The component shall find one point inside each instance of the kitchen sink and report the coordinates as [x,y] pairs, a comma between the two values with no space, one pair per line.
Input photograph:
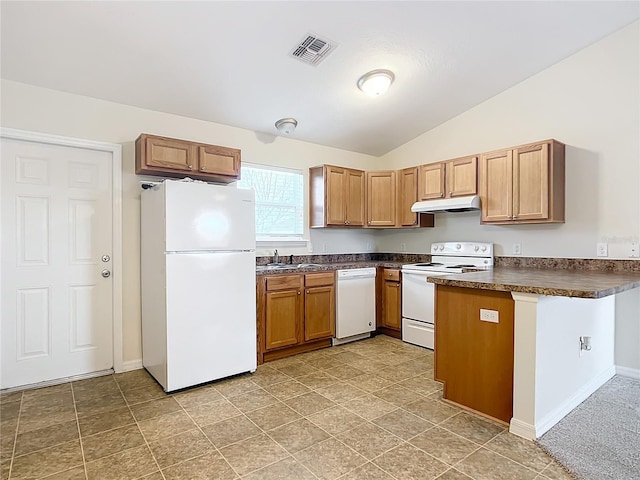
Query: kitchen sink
[285,266]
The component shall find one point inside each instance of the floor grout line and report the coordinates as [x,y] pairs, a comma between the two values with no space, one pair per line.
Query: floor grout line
[75,410]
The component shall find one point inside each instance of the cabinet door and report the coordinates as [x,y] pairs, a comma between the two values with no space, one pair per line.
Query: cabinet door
[462,176]
[381,199]
[431,181]
[496,190]
[391,305]
[319,313]
[283,318]
[355,198]
[167,153]
[219,160]
[408,185]
[336,199]
[531,182]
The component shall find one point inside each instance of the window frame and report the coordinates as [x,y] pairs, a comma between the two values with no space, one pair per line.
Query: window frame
[290,240]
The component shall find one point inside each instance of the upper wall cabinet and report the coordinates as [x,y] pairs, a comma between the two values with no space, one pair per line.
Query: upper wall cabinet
[453,178]
[170,157]
[408,195]
[381,198]
[523,184]
[337,197]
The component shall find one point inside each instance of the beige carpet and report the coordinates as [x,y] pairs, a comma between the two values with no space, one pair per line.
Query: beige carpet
[600,439]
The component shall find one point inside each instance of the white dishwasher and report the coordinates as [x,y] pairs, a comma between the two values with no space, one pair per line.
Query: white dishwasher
[355,304]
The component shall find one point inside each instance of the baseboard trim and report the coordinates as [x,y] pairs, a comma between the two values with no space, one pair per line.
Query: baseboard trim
[628,372]
[130,365]
[522,429]
[576,399]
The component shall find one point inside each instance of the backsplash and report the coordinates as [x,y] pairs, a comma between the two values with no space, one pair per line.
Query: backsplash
[569,263]
[518,262]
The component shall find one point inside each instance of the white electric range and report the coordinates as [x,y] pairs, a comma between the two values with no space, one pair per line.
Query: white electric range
[418,319]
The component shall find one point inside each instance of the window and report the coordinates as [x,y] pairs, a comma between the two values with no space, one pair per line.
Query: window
[279,201]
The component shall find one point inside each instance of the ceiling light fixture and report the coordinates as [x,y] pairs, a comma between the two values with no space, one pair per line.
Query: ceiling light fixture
[286,126]
[376,82]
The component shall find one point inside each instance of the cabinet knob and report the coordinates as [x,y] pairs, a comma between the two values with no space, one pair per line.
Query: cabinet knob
[450,194]
[369,222]
[190,167]
[202,169]
[307,291]
[298,292]
[442,194]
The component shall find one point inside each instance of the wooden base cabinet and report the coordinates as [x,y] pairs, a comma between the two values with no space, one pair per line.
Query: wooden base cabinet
[296,313]
[390,302]
[474,358]
[170,157]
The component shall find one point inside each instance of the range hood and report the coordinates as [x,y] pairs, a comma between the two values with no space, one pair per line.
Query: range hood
[456,204]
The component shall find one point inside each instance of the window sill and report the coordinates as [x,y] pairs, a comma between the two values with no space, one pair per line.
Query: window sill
[281,241]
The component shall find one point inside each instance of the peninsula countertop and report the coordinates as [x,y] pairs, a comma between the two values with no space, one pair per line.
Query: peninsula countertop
[545,281]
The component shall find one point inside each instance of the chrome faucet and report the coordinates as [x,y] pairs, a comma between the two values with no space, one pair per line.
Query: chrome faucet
[276,257]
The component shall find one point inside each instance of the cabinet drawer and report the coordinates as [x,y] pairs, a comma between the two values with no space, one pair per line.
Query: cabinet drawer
[391,274]
[319,279]
[283,282]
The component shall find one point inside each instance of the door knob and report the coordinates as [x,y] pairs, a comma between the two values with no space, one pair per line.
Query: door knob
[106,258]
[105,273]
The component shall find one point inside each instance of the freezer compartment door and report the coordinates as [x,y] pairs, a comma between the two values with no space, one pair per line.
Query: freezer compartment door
[203,217]
[211,317]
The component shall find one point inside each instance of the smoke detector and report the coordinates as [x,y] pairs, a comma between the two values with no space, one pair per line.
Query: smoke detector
[312,49]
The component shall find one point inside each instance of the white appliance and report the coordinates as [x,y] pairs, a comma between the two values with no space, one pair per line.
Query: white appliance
[198,282]
[418,320]
[355,304]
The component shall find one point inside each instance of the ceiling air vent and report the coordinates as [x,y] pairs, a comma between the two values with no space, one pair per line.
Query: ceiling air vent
[312,49]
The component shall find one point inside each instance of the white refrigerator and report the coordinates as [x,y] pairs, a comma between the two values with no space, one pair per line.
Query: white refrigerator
[198,282]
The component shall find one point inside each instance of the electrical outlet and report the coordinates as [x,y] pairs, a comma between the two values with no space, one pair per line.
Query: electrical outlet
[488,315]
[603,251]
[403,247]
[517,249]
[633,250]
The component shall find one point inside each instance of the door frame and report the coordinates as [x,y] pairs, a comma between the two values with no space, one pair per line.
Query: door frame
[116,156]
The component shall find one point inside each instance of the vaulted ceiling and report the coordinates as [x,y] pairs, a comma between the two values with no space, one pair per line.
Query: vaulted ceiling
[229,62]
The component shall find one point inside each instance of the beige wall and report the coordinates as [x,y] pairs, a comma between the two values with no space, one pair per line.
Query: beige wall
[591,102]
[41,110]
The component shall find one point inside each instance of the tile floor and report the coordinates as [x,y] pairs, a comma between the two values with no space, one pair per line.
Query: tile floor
[367,410]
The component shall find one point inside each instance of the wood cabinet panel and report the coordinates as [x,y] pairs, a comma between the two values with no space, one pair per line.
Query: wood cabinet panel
[523,184]
[292,318]
[431,181]
[171,157]
[355,197]
[531,182]
[336,197]
[381,198]
[219,160]
[496,186]
[319,312]
[282,322]
[408,195]
[474,358]
[392,305]
[461,177]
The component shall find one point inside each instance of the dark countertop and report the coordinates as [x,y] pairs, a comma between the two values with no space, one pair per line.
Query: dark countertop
[543,281]
[324,267]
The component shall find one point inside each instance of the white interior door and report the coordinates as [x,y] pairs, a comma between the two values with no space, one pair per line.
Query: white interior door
[56,233]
